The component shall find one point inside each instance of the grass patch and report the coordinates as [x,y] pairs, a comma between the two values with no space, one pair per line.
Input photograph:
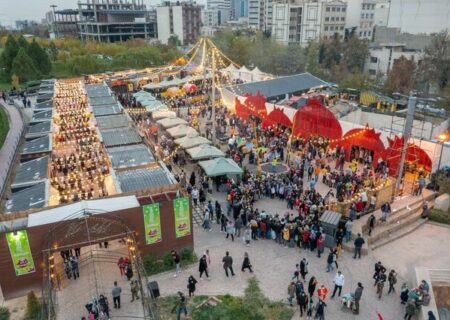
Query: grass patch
[4,126]
[252,306]
[439,216]
[154,265]
[5,86]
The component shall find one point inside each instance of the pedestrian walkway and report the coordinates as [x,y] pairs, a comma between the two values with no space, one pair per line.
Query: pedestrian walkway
[11,143]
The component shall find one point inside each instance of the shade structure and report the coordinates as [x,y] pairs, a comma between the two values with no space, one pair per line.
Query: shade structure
[191,141]
[219,167]
[140,93]
[144,96]
[161,114]
[156,108]
[171,122]
[363,138]
[315,119]
[254,105]
[277,117]
[414,154]
[204,151]
[180,131]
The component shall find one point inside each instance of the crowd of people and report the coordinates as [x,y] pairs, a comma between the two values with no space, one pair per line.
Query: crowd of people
[79,164]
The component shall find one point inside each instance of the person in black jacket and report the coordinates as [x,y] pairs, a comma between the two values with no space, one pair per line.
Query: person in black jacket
[246,263]
[359,242]
[191,285]
[357,295]
[203,266]
[302,301]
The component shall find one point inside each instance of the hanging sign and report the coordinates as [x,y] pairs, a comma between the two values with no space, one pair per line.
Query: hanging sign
[152,223]
[182,217]
[20,252]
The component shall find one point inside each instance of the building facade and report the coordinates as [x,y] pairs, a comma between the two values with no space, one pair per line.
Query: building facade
[333,19]
[182,19]
[62,23]
[222,8]
[260,15]
[239,9]
[111,21]
[360,19]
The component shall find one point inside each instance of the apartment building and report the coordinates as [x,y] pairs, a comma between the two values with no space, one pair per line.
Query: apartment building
[182,19]
[333,19]
[222,9]
[360,19]
[260,14]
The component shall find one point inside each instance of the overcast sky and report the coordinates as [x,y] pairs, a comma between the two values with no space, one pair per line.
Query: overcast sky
[413,15]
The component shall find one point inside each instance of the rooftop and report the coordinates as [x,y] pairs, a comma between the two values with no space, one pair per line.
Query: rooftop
[38,129]
[35,196]
[31,172]
[142,179]
[280,86]
[130,156]
[112,121]
[101,100]
[120,137]
[97,90]
[42,115]
[108,109]
[38,145]
[44,105]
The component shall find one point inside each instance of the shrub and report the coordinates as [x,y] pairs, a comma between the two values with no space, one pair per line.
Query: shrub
[168,260]
[153,265]
[33,307]
[4,313]
[187,255]
[439,216]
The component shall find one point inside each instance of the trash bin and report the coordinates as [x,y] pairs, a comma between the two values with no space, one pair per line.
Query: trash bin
[329,222]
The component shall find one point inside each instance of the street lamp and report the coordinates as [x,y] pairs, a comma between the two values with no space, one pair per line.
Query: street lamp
[442,138]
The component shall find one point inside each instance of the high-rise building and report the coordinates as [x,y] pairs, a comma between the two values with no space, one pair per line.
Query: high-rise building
[260,14]
[62,23]
[361,18]
[113,20]
[239,9]
[333,19]
[181,19]
[223,9]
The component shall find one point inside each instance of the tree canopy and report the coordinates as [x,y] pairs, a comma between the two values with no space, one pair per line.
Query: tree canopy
[23,67]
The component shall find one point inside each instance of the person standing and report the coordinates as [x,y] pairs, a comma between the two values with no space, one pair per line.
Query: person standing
[385,211]
[116,291]
[303,268]
[203,266]
[207,220]
[181,306]
[121,265]
[320,310]
[348,230]
[246,263]
[322,292]
[228,263]
[359,242]
[191,285]
[312,287]
[302,302]
[238,226]
[74,266]
[230,230]
[410,309]
[134,286]
[129,271]
[371,224]
[392,279]
[247,236]
[379,282]
[330,260]
[291,293]
[339,280]
[176,259]
[357,295]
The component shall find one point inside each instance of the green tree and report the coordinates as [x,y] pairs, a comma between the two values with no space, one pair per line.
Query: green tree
[173,41]
[401,76]
[435,66]
[312,58]
[254,297]
[23,67]
[332,52]
[359,81]
[8,55]
[22,42]
[15,83]
[53,50]
[33,307]
[355,53]
[4,313]
[39,57]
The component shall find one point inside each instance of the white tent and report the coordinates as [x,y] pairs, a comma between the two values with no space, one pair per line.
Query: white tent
[161,114]
[245,74]
[180,131]
[204,151]
[192,140]
[171,122]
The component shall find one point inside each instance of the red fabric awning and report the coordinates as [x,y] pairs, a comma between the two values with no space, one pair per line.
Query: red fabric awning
[315,119]
[277,117]
[413,154]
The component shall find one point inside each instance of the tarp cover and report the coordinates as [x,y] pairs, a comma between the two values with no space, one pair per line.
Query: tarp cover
[277,117]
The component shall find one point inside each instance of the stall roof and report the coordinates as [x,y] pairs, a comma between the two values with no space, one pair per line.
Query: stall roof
[44,97]
[330,218]
[35,196]
[39,129]
[97,90]
[38,145]
[108,109]
[112,121]
[98,101]
[120,137]
[76,210]
[44,105]
[31,172]
[280,86]
[42,115]
[130,156]
[141,179]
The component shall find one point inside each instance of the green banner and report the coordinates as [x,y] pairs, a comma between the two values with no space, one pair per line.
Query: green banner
[182,217]
[20,252]
[152,223]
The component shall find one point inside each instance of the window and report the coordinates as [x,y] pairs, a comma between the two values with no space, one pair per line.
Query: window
[363,6]
[373,59]
[328,9]
[362,15]
[372,72]
[371,16]
[327,19]
[333,9]
[332,18]
[338,9]
[343,9]
[369,33]
[342,18]
[360,34]
[332,28]
[341,28]
[367,16]
[365,33]
[325,28]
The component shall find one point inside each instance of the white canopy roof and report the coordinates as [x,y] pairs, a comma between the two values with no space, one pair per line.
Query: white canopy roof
[161,114]
[257,71]
[243,69]
[230,68]
[204,151]
[171,122]
[181,131]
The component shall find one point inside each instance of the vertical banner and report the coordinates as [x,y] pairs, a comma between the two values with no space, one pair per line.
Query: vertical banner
[20,252]
[152,223]
[182,217]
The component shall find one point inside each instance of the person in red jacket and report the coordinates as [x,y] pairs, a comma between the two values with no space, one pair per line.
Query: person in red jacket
[322,292]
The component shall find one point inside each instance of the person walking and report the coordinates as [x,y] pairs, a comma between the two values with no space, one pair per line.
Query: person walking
[191,285]
[228,263]
[348,230]
[291,293]
[371,224]
[303,268]
[357,295]
[134,286]
[247,236]
[330,260]
[246,263]
[181,305]
[302,302]
[116,291]
[230,230]
[104,306]
[129,271]
[176,259]
[121,265]
[359,242]
[379,282]
[339,280]
[392,279]
[203,266]
[238,226]
[385,211]
[310,309]
[378,269]
[74,267]
[312,287]
[207,220]
[320,310]
[410,309]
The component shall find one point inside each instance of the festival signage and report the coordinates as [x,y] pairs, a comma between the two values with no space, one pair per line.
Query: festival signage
[152,223]
[182,217]
[20,252]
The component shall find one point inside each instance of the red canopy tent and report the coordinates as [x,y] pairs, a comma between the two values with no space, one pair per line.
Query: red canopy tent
[315,119]
[364,138]
[413,154]
[254,105]
[277,117]
[241,109]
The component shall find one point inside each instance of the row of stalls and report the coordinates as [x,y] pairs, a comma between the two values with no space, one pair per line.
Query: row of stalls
[244,74]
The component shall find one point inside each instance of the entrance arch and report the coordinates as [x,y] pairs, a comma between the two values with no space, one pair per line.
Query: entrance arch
[86,229]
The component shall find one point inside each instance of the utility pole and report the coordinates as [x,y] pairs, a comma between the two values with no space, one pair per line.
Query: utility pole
[213,95]
[406,136]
